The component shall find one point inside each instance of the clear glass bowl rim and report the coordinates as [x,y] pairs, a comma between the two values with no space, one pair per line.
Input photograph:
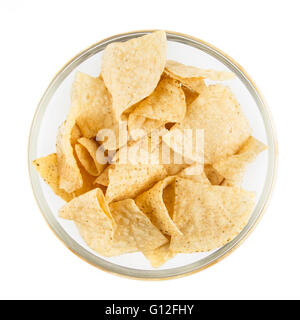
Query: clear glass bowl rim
[177,271]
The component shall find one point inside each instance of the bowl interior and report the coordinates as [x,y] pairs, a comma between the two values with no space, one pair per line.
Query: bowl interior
[53,109]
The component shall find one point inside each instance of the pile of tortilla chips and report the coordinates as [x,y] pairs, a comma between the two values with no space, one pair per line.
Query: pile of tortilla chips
[158,208]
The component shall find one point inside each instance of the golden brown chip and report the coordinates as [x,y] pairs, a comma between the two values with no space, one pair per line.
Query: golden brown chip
[190,95]
[91,109]
[224,126]
[132,69]
[70,178]
[86,150]
[103,179]
[196,84]
[196,173]
[146,235]
[252,147]
[87,182]
[172,161]
[47,168]
[128,181]
[213,175]
[152,203]
[143,151]
[233,168]
[133,232]
[139,126]
[122,241]
[159,256]
[75,135]
[108,233]
[91,211]
[166,103]
[93,105]
[208,216]
[169,198]
[181,71]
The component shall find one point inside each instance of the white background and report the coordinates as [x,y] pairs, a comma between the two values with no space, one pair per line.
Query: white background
[39,37]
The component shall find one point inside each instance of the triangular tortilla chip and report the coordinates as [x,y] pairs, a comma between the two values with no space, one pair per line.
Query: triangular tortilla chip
[103,179]
[132,69]
[91,211]
[213,175]
[190,95]
[208,216]
[196,173]
[86,150]
[139,126]
[133,232]
[146,235]
[121,243]
[183,72]
[252,147]
[152,203]
[128,181]
[233,168]
[166,103]
[47,168]
[224,126]
[93,104]
[160,255]
[75,135]
[144,151]
[70,178]
[172,161]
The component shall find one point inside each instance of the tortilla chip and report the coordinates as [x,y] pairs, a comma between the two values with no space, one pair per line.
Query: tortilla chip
[139,126]
[132,69]
[47,168]
[133,232]
[196,84]
[190,95]
[172,161]
[103,179]
[144,151]
[128,181]
[213,175]
[159,256]
[252,147]
[166,103]
[141,146]
[70,178]
[218,114]
[86,150]
[168,196]
[91,110]
[233,168]
[91,211]
[93,104]
[75,135]
[208,216]
[152,203]
[121,243]
[147,236]
[182,72]
[196,173]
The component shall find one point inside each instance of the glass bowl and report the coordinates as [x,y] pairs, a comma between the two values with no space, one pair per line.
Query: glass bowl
[53,109]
